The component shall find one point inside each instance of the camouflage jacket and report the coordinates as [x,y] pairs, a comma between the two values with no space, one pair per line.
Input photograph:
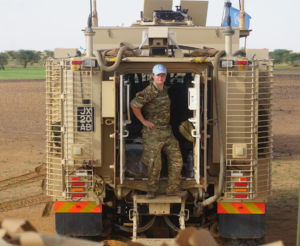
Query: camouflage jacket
[156,104]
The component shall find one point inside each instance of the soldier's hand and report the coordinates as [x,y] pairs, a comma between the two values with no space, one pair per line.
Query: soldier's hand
[148,124]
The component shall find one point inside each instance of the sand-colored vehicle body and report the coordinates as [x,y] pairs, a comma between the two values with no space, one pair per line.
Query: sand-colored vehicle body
[93,139]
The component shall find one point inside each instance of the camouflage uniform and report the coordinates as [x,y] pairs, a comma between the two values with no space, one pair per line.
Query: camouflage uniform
[156,105]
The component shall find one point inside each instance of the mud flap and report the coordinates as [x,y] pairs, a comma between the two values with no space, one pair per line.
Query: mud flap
[242,225]
[78,224]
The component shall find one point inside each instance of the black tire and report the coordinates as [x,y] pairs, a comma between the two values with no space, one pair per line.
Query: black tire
[247,242]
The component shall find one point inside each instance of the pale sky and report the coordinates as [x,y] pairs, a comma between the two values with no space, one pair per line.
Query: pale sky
[49,24]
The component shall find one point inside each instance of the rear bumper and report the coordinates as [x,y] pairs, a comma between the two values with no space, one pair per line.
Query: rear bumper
[241,220]
[242,225]
[78,218]
[76,224]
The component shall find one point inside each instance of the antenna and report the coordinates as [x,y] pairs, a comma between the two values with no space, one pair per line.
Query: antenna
[228,31]
[228,6]
[94,14]
[242,15]
[91,8]
[89,23]
[89,33]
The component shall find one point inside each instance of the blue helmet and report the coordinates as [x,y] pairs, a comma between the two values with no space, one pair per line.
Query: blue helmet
[158,68]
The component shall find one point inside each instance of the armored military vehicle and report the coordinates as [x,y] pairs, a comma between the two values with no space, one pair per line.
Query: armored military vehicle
[221,114]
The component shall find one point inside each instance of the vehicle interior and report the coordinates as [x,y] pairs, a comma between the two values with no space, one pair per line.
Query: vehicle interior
[178,90]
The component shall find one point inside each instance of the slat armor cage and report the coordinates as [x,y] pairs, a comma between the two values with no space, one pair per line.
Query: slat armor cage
[54,171]
[249,122]
[70,124]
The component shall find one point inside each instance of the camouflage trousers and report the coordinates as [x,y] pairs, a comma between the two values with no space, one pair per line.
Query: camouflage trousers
[155,141]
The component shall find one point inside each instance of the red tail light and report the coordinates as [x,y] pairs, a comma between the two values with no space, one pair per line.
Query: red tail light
[241,62]
[76,62]
[75,178]
[240,196]
[243,179]
[240,184]
[77,183]
[77,195]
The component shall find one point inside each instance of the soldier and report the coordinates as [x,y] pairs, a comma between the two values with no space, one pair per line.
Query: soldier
[157,134]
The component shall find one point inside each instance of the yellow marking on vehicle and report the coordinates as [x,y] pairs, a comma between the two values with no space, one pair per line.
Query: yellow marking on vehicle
[253,208]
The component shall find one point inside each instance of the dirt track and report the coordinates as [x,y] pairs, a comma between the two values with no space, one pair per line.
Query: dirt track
[23,179]
[24,202]
[22,149]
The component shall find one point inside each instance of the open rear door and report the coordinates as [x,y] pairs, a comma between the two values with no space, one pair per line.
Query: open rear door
[194,104]
[124,120]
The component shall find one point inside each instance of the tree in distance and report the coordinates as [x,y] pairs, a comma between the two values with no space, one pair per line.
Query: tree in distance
[11,54]
[292,59]
[3,60]
[25,56]
[37,56]
[287,56]
[48,53]
[277,55]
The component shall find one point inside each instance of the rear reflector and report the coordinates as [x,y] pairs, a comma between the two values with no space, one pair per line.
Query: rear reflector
[243,179]
[236,174]
[77,189]
[89,63]
[75,178]
[240,190]
[76,62]
[240,196]
[240,184]
[226,63]
[81,174]
[77,183]
[241,62]
[77,195]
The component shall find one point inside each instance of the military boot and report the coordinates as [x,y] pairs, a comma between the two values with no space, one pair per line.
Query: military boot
[179,193]
[150,195]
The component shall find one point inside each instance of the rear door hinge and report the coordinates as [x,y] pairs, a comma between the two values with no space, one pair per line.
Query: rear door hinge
[63,129]
[255,97]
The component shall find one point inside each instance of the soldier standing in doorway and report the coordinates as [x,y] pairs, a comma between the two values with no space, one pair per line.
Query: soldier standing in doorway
[157,134]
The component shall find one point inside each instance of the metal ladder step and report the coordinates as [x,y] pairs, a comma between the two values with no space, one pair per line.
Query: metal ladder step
[155,241]
[160,205]
[157,199]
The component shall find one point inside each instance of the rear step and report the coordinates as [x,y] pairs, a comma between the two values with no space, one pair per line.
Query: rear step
[154,241]
[160,205]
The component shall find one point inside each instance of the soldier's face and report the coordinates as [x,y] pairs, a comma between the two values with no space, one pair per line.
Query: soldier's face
[160,78]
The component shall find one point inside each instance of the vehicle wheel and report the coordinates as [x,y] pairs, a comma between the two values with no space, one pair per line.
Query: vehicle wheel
[236,242]
[107,228]
[247,242]
[214,230]
[261,241]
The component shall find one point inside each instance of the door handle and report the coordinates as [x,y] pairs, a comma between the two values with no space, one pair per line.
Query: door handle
[126,135]
[194,134]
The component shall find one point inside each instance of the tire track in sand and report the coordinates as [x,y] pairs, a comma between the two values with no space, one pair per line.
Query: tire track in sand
[38,174]
[24,202]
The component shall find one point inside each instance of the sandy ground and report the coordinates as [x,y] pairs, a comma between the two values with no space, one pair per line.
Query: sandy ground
[282,208]
[22,148]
